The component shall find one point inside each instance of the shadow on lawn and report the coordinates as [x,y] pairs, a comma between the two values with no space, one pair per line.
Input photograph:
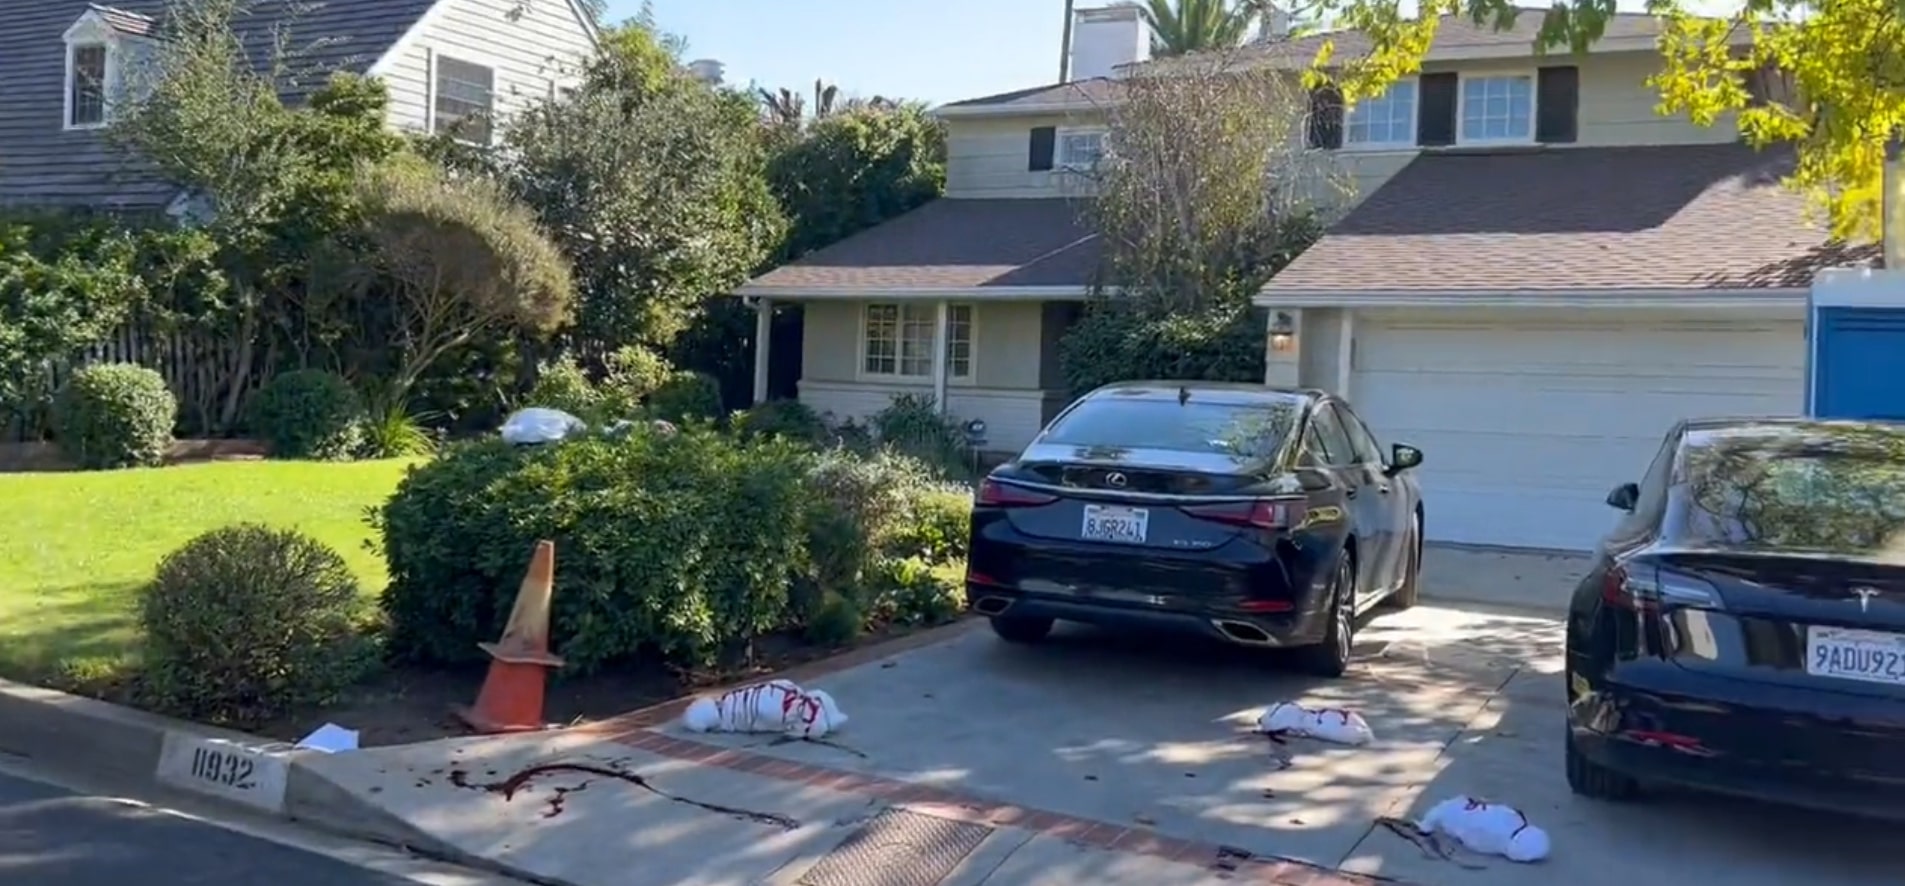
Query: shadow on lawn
[78,638]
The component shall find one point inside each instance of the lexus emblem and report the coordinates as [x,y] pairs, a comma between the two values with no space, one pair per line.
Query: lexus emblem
[1865,597]
[1115,480]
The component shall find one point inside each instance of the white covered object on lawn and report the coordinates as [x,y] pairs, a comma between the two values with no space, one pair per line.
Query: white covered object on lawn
[1528,417]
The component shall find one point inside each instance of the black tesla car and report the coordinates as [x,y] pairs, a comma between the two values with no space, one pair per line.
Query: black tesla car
[1260,516]
[1743,628]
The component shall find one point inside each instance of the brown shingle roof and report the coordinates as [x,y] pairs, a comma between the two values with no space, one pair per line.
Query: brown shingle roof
[1667,217]
[951,243]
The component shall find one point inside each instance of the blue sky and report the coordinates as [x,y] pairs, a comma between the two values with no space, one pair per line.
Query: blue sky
[931,50]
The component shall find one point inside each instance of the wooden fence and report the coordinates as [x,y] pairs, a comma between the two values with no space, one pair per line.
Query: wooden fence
[187,361]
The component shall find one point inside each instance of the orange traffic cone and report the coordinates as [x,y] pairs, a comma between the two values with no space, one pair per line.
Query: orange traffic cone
[512,694]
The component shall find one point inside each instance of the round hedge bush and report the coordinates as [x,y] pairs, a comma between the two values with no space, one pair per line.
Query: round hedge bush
[686,396]
[246,622]
[114,415]
[309,413]
[681,545]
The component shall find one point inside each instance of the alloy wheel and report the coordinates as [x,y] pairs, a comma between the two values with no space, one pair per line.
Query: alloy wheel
[1345,608]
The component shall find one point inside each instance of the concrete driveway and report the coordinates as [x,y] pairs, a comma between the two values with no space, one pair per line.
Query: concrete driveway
[1154,733]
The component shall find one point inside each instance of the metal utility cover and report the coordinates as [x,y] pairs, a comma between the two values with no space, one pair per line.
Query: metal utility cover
[897,848]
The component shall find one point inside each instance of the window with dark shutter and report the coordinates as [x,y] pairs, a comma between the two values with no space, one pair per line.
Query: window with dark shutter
[1558,105]
[1435,123]
[1326,118]
[1044,144]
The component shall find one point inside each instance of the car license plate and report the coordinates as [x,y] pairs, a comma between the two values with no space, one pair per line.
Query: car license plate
[1111,523]
[1869,656]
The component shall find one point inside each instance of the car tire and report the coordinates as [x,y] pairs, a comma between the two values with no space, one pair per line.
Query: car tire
[1013,629]
[1330,658]
[1408,594]
[1589,779]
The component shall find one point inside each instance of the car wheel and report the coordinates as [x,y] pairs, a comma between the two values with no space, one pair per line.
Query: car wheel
[1406,595]
[1021,630]
[1589,779]
[1330,658]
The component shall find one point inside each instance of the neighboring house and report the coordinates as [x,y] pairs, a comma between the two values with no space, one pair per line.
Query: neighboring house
[445,62]
[1541,275]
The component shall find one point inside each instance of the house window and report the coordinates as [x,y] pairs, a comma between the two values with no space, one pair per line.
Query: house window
[86,85]
[464,100]
[1388,119]
[1496,109]
[899,340]
[1080,148]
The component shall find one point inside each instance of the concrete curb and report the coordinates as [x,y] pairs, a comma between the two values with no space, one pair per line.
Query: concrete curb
[143,751]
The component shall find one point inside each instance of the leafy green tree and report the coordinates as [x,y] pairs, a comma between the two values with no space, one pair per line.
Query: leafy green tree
[1183,26]
[266,181]
[653,185]
[1844,61]
[854,169]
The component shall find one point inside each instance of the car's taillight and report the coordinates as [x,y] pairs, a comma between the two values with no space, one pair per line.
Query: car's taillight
[1263,513]
[1643,587]
[1006,495]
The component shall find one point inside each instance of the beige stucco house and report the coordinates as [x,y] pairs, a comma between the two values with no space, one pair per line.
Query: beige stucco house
[1534,277]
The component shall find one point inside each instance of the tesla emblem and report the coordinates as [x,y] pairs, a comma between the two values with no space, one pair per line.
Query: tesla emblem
[1115,479]
[1865,597]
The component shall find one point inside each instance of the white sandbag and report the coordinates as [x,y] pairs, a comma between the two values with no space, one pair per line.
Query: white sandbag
[1488,828]
[1336,725]
[775,706]
[539,425]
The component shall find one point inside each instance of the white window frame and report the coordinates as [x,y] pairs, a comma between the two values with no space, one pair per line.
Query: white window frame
[1534,106]
[430,95]
[1408,139]
[930,310]
[1061,158]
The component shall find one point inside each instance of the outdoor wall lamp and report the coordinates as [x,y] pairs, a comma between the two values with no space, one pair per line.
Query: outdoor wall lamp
[1282,331]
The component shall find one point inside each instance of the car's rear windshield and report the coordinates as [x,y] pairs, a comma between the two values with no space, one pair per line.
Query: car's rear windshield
[1254,430]
[1835,492]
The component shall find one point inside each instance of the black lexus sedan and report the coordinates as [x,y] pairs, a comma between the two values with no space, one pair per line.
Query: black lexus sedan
[1743,627]
[1260,516]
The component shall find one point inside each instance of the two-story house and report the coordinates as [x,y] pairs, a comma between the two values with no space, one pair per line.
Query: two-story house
[1535,277]
[447,63]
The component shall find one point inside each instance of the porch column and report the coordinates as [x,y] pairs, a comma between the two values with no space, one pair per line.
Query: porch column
[763,343]
[942,333]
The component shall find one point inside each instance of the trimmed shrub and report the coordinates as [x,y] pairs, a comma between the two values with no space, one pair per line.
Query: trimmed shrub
[634,372]
[912,591]
[681,545]
[1119,341]
[309,413]
[686,396]
[936,527]
[912,425]
[561,384]
[246,622]
[781,418]
[114,415]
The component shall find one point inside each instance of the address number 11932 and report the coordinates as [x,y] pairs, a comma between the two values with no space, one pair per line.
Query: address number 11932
[224,769]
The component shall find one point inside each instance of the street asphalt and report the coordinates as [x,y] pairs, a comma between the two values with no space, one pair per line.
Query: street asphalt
[55,837]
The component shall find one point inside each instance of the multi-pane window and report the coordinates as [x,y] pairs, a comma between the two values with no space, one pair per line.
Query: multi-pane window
[1081,149]
[465,99]
[1498,109]
[899,340]
[86,101]
[1388,119]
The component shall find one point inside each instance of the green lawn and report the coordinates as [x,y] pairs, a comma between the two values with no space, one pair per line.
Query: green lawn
[75,547]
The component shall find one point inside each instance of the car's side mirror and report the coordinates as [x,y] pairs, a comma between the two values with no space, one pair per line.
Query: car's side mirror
[1624,497]
[1403,457]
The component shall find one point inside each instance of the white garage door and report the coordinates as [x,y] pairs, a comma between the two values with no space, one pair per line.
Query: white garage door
[1526,424]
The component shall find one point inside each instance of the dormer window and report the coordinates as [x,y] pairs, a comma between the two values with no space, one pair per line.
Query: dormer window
[87,69]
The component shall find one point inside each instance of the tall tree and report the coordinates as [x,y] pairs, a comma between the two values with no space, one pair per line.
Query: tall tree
[1181,26]
[1844,61]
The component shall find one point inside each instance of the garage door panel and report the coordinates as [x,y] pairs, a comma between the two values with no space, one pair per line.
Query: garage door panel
[1526,425]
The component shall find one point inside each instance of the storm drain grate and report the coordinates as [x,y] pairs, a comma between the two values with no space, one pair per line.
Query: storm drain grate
[897,848]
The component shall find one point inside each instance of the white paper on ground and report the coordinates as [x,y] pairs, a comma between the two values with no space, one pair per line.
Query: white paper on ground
[330,738]
[1336,725]
[1488,828]
[775,706]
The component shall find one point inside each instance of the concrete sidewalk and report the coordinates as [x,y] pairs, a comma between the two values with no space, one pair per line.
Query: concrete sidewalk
[696,814]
